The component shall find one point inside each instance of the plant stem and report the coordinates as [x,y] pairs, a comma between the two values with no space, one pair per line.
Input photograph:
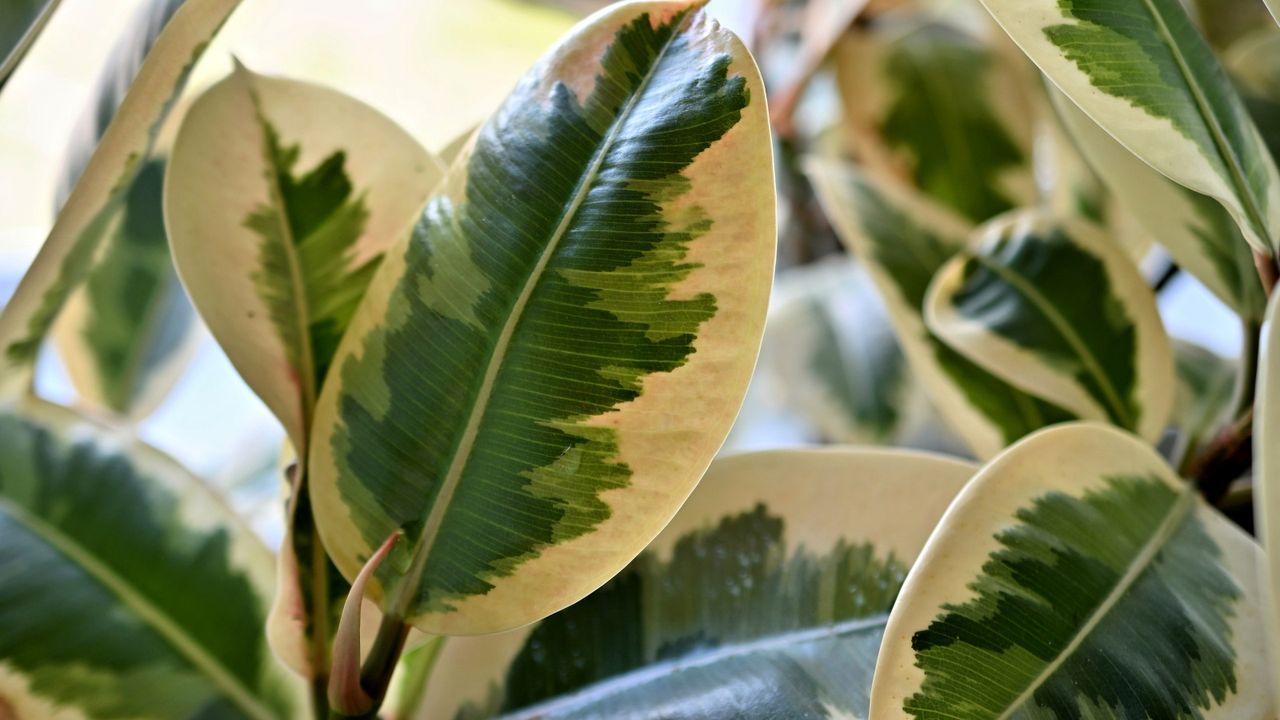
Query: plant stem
[1228,457]
[375,675]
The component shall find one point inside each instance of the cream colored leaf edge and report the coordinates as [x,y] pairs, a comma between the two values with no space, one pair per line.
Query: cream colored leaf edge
[1267,478]
[889,498]
[734,262]
[1072,459]
[197,506]
[831,180]
[217,177]
[1024,368]
[1155,140]
[125,144]
[1158,204]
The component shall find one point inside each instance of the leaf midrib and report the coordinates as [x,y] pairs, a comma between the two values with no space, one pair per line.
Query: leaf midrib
[635,678]
[151,615]
[1205,109]
[1064,328]
[1178,513]
[297,283]
[409,583]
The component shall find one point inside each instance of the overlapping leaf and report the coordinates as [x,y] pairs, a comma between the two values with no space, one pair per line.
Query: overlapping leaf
[127,334]
[172,37]
[278,222]
[1141,70]
[765,597]
[940,110]
[126,589]
[1058,310]
[903,240]
[1076,576]
[281,199]
[1197,231]
[831,354]
[537,379]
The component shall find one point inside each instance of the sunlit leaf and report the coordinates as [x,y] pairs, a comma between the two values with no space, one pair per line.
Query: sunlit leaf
[903,240]
[538,377]
[1058,310]
[1077,576]
[765,597]
[1141,70]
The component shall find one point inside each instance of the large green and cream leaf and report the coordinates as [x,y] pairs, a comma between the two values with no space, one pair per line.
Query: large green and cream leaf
[1141,70]
[1057,309]
[127,590]
[281,199]
[903,240]
[171,37]
[968,150]
[1197,231]
[127,334]
[539,376]
[765,597]
[1077,576]
[1267,476]
[21,22]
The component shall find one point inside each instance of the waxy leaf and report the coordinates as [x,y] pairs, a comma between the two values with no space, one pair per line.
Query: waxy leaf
[21,22]
[177,33]
[538,378]
[1057,309]
[281,199]
[127,590]
[942,111]
[903,240]
[765,597]
[1267,475]
[278,222]
[127,334]
[1197,231]
[1142,71]
[1077,576]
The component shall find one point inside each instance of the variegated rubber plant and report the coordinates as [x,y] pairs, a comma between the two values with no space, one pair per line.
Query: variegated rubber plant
[504,372]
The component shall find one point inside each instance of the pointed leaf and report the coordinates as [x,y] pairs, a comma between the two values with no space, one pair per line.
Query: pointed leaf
[176,36]
[278,223]
[1141,70]
[538,378]
[764,597]
[1197,231]
[127,334]
[129,591]
[970,149]
[1078,576]
[21,22]
[1058,310]
[904,240]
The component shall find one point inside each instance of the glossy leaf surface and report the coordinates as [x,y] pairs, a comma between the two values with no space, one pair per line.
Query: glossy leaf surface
[765,597]
[539,376]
